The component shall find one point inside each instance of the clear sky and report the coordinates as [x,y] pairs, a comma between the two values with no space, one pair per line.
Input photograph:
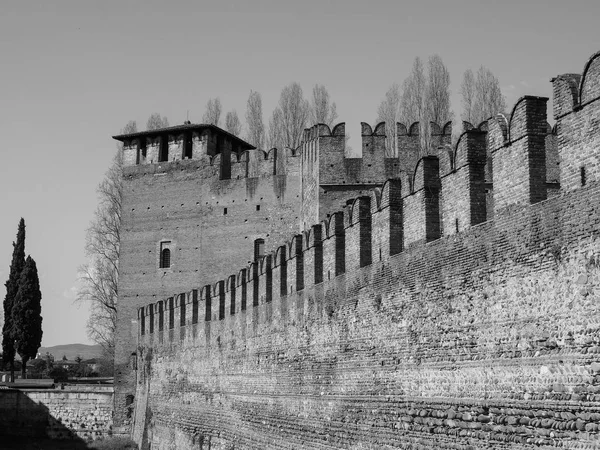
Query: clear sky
[74,72]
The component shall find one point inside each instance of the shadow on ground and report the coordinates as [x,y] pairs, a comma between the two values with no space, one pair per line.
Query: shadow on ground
[39,443]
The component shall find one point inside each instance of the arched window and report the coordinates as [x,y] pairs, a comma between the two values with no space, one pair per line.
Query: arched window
[259,249]
[165,258]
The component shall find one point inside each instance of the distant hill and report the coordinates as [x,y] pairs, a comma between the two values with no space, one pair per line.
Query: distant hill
[72,351]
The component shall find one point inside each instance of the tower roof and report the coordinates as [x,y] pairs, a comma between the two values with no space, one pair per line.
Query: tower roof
[198,127]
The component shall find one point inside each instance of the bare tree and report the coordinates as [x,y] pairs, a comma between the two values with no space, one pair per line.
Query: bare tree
[412,103]
[437,98]
[232,123]
[481,96]
[155,122]
[467,93]
[276,136]
[294,114]
[254,119]
[426,98]
[322,110]
[388,112]
[212,114]
[98,277]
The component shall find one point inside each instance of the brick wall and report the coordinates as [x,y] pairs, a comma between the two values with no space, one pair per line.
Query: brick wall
[419,336]
[577,114]
[483,339]
[210,224]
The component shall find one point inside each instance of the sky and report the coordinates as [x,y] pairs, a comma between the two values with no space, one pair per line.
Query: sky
[73,73]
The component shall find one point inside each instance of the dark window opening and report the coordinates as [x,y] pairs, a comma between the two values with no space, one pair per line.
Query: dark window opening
[255,285]
[269,294]
[224,211]
[182,310]
[583,176]
[142,322]
[259,249]
[258,207]
[187,146]
[283,276]
[456,224]
[151,319]
[195,306]
[225,169]
[171,314]
[165,255]
[221,300]
[208,304]
[244,291]
[161,317]
[165,258]
[163,154]
[299,265]
[232,291]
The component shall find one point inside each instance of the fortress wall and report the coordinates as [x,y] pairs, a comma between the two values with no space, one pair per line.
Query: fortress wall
[184,202]
[440,346]
[481,337]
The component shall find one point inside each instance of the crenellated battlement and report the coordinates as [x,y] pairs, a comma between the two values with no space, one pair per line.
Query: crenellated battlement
[438,301]
[198,142]
[446,194]
[577,114]
[330,177]
[248,164]
[325,145]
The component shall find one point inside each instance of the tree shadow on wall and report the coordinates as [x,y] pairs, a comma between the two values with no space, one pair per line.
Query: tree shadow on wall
[28,425]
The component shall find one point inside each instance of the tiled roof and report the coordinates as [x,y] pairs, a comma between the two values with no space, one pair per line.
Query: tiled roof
[185,127]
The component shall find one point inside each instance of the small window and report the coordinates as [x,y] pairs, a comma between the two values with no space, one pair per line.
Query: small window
[224,211]
[582,174]
[258,207]
[259,249]
[165,258]
[165,255]
[163,153]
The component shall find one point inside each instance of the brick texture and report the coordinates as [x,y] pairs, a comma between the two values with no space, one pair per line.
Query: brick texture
[452,307]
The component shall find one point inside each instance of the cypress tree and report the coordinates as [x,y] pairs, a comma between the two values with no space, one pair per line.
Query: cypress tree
[26,314]
[12,286]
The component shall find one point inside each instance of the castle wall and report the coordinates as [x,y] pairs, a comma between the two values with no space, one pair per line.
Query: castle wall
[439,346]
[419,336]
[209,224]
[330,179]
